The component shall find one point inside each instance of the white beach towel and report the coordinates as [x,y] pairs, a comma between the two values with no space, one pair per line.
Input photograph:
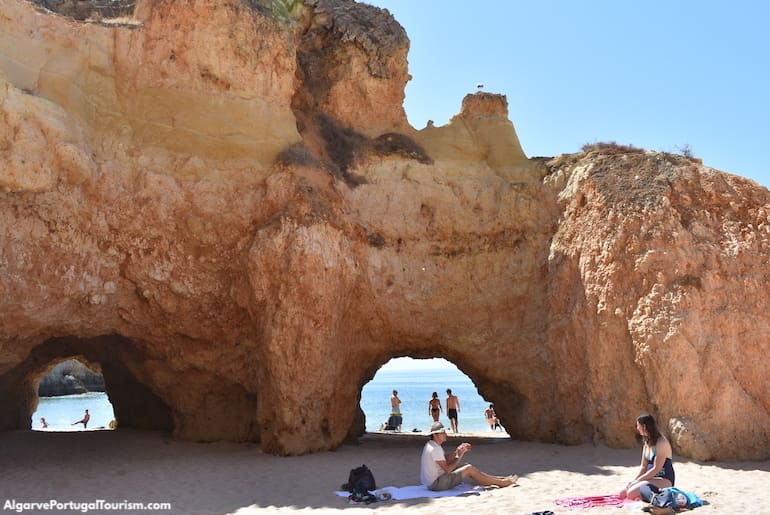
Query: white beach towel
[417,491]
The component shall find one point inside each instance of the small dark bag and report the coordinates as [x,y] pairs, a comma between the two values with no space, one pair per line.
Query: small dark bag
[360,480]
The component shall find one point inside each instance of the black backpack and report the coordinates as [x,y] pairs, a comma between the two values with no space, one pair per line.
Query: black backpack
[360,480]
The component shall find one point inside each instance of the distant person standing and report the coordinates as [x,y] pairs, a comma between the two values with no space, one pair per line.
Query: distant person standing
[452,408]
[43,423]
[395,404]
[434,407]
[492,420]
[395,420]
[84,420]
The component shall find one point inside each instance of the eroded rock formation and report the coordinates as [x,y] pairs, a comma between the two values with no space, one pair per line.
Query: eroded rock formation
[229,215]
[70,377]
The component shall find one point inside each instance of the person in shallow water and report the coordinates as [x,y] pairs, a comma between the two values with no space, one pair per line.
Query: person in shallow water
[395,403]
[434,407]
[452,408]
[492,420]
[84,420]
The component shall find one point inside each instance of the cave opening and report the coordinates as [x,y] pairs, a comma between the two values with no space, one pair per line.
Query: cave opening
[416,380]
[72,397]
[128,386]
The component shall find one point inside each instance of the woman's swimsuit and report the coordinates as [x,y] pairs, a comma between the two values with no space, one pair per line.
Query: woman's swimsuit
[667,472]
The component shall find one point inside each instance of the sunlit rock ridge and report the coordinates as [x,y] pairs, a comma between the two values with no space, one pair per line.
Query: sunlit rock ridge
[224,210]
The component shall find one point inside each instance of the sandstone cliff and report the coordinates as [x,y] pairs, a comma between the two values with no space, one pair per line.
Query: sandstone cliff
[228,214]
[70,377]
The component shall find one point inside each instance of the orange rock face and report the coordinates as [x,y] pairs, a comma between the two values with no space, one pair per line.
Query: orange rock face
[227,213]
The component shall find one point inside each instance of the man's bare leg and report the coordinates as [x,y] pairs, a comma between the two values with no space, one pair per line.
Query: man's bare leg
[484,479]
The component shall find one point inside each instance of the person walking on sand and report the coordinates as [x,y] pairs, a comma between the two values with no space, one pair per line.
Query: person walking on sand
[452,408]
[440,471]
[434,407]
[83,420]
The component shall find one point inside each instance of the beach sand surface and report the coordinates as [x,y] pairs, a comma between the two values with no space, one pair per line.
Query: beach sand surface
[213,478]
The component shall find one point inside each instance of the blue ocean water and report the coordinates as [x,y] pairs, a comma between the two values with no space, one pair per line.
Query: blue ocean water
[415,381]
[61,412]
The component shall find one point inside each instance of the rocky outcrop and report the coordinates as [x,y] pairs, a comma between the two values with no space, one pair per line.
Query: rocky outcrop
[92,10]
[228,214]
[70,377]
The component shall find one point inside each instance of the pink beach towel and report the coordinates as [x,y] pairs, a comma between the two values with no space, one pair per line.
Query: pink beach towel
[591,501]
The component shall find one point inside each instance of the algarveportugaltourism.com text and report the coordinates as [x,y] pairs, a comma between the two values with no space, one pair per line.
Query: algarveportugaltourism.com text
[82,506]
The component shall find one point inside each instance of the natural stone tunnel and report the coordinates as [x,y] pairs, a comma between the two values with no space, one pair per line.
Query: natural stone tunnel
[505,397]
[134,403]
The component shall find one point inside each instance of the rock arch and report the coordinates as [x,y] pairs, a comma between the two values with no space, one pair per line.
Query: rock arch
[505,395]
[143,193]
[134,403]
[515,401]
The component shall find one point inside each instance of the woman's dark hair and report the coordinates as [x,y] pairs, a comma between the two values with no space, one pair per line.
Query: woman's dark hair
[435,394]
[652,436]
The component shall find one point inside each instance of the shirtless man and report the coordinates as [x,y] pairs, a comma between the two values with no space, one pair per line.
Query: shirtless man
[452,407]
[83,420]
[395,404]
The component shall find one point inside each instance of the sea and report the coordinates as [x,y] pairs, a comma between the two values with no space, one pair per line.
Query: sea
[415,380]
[61,412]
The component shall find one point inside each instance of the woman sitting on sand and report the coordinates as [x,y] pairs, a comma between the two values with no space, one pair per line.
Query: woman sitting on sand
[656,470]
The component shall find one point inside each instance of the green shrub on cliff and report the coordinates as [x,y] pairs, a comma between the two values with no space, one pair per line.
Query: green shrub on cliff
[286,10]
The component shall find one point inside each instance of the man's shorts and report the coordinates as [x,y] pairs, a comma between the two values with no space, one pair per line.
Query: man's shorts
[451,414]
[446,481]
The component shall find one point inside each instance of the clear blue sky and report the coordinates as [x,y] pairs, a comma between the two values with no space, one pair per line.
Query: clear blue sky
[658,75]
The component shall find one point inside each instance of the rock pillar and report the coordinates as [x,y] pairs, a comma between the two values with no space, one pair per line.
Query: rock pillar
[302,277]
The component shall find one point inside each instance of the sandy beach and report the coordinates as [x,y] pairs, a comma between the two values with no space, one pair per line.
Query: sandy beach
[215,478]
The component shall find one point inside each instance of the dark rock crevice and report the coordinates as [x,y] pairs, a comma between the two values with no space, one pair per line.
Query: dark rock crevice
[83,10]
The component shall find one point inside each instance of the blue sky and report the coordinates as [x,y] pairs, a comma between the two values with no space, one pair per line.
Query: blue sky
[659,75]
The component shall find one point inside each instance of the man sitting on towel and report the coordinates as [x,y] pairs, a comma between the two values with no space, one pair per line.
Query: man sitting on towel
[439,471]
